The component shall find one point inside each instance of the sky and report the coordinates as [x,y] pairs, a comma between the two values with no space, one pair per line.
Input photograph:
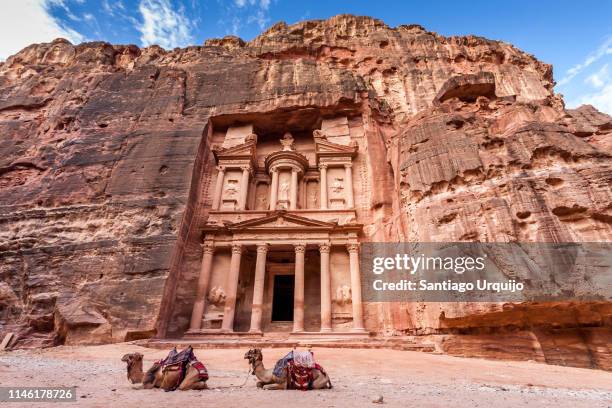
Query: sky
[574,36]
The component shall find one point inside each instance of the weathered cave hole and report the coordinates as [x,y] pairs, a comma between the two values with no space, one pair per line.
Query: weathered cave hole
[163,169]
[554,181]
[602,217]
[447,218]
[468,88]
[384,44]
[456,122]
[102,124]
[563,211]
[523,214]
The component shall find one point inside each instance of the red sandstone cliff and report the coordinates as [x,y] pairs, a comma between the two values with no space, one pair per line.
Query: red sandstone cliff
[102,166]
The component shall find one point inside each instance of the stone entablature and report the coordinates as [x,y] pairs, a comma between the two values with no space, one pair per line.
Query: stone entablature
[341,217]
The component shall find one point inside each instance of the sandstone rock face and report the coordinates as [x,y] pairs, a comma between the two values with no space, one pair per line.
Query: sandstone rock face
[105,173]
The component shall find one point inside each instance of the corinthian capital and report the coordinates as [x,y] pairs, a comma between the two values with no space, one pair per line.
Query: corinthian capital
[208,247]
[352,247]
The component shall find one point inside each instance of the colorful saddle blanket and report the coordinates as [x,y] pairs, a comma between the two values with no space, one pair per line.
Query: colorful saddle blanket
[282,364]
[300,366]
[300,377]
[181,361]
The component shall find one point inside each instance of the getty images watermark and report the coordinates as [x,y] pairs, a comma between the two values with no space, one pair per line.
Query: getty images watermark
[487,272]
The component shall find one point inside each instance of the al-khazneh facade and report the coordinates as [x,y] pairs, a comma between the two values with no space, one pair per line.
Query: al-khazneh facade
[281,243]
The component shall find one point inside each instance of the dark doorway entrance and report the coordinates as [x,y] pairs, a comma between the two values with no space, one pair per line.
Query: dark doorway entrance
[282,300]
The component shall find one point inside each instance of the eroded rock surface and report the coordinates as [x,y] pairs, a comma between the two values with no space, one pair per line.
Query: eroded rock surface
[104,169]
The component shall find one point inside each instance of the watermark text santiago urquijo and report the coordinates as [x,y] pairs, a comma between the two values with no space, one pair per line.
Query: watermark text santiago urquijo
[464,271]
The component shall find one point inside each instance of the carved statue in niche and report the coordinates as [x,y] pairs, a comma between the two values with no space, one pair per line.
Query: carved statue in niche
[231,189]
[283,191]
[313,199]
[287,142]
[343,295]
[216,296]
[262,201]
[337,187]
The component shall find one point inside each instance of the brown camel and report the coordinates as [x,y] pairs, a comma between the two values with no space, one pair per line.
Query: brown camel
[160,377]
[269,381]
[134,367]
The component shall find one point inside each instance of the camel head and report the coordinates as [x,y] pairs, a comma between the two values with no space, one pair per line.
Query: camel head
[134,367]
[253,355]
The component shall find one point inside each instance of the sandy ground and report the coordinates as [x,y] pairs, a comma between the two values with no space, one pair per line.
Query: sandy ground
[403,378]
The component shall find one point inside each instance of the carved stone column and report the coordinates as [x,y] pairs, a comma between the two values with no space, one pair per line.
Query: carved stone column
[326,321]
[218,188]
[323,184]
[348,176]
[353,250]
[298,295]
[200,303]
[232,289]
[258,288]
[274,189]
[244,188]
[294,189]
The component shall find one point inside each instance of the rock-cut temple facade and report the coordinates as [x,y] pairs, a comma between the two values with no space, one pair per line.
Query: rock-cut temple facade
[280,244]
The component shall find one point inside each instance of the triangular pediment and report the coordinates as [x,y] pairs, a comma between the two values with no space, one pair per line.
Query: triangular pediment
[325,147]
[241,151]
[281,221]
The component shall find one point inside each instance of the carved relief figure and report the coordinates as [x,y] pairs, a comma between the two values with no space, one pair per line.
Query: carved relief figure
[337,187]
[287,142]
[313,200]
[343,295]
[216,296]
[231,189]
[283,191]
[318,134]
[262,202]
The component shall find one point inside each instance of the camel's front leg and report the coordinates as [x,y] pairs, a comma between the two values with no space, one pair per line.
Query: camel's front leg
[274,386]
[321,382]
[192,382]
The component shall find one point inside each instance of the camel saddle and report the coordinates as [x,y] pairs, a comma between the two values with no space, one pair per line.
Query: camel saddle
[176,361]
[300,367]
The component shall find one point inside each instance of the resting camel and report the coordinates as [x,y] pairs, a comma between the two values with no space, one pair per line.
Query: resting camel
[134,367]
[268,381]
[156,377]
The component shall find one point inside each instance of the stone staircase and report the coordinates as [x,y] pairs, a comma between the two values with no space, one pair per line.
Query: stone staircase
[285,340]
